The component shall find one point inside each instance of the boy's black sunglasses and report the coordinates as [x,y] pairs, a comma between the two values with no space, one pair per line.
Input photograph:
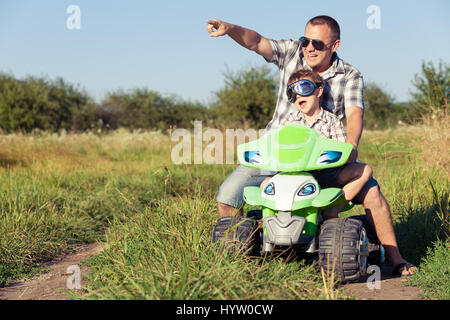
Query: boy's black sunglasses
[302,88]
[317,44]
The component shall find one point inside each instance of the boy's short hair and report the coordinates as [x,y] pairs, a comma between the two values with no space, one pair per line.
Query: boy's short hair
[305,73]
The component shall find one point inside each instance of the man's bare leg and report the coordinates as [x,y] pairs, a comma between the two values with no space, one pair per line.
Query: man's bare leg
[228,211]
[379,215]
[354,176]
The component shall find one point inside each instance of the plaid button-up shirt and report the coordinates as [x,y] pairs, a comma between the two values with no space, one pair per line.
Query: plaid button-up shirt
[326,124]
[343,85]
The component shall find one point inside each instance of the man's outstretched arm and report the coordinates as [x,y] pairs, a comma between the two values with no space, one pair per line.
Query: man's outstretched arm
[245,37]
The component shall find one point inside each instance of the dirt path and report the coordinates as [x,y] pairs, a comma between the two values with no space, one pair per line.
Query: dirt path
[390,288]
[53,284]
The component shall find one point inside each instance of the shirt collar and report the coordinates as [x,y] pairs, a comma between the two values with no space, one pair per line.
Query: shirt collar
[337,66]
[320,117]
[298,116]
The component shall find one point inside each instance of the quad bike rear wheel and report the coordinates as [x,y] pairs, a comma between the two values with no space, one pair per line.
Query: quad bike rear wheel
[343,247]
[376,250]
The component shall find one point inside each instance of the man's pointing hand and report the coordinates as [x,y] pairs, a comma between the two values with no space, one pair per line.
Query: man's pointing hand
[217,28]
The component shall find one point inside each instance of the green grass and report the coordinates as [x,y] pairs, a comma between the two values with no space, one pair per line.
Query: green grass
[165,253]
[434,273]
[57,192]
[155,218]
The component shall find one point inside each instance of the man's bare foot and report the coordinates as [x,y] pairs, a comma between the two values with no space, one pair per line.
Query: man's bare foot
[404,269]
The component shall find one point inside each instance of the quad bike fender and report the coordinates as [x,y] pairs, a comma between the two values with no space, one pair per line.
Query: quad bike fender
[252,196]
[329,197]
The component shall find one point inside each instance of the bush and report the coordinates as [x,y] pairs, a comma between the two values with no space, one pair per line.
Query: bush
[381,112]
[39,103]
[147,109]
[248,98]
[434,273]
[54,105]
[432,87]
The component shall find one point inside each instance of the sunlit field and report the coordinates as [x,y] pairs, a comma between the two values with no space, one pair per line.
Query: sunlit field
[154,218]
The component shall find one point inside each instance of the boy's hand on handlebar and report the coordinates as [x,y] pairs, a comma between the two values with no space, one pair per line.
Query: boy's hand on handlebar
[217,28]
[264,183]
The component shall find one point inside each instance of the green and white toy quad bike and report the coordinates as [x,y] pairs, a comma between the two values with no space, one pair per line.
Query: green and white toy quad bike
[292,202]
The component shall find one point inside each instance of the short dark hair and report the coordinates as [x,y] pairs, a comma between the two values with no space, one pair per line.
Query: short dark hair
[305,73]
[330,22]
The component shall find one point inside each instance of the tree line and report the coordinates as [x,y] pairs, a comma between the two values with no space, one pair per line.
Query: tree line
[247,99]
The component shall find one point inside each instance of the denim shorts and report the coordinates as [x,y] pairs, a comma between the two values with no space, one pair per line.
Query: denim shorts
[231,191]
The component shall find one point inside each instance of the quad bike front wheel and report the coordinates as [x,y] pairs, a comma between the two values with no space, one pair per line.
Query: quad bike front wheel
[343,247]
[237,234]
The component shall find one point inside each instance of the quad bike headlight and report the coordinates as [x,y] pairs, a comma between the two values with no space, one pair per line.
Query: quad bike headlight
[270,189]
[307,190]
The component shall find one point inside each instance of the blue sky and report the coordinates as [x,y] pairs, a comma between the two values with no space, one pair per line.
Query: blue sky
[164,45]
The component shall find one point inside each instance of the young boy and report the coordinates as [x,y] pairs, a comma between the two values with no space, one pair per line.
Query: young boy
[304,90]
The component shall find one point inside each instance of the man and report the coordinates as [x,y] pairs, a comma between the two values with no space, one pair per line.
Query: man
[343,96]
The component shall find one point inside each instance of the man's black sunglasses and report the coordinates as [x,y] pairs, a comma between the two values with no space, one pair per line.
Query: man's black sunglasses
[317,44]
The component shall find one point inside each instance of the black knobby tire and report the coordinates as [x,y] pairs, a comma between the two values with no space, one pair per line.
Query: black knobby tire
[257,239]
[376,257]
[236,233]
[340,242]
